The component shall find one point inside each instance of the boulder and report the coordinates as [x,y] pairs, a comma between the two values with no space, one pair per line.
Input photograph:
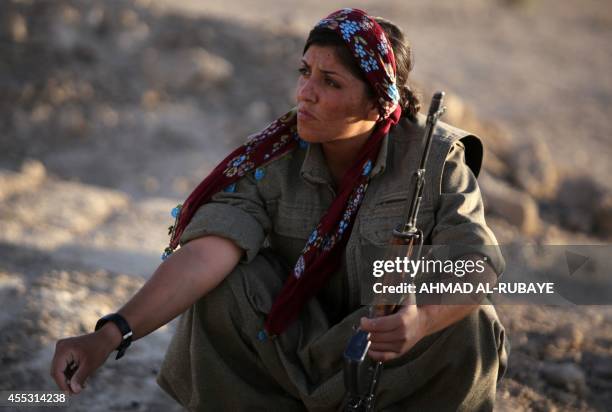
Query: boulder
[569,336]
[565,375]
[496,138]
[603,216]
[33,173]
[533,169]
[72,121]
[516,207]
[494,165]
[18,28]
[587,212]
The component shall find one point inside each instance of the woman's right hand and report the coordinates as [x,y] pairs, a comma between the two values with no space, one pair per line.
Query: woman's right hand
[78,357]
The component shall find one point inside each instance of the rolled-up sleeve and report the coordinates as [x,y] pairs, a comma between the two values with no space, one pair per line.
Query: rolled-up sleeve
[460,220]
[240,216]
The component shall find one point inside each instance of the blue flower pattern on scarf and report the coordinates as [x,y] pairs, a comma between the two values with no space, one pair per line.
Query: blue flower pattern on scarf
[360,51]
[313,237]
[367,168]
[369,64]
[238,160]
[348,28]
[383,46]
[393,92]
[299,267]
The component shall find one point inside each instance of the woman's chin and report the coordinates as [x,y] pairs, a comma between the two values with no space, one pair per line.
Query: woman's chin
[306,134]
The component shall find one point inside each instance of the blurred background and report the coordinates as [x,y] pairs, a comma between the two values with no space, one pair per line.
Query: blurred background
[111,111]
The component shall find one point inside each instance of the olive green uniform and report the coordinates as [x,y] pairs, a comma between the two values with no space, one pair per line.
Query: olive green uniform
[217,362]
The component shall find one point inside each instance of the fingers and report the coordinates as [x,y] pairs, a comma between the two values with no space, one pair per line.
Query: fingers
[400,346]
[388,337]
[403,318]
[392,336]
[382,356]
[381,324]
[69,368]
[77,382]
[401,333]
[58,365]
[60,379]
[394,347]
[385,351]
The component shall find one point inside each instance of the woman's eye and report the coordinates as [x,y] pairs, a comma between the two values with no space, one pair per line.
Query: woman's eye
[331,83]
[303,71]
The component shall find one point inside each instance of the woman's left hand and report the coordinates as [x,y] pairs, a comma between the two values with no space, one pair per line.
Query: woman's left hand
[394,335]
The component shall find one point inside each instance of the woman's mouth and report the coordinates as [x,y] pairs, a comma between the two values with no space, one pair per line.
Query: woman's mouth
[304,114]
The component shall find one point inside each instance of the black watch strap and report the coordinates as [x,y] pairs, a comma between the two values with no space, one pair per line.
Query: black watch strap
[124,328]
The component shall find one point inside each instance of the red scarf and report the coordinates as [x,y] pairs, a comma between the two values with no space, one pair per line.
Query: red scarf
[322,253]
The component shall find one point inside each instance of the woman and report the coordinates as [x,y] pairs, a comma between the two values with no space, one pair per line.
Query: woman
[273,246]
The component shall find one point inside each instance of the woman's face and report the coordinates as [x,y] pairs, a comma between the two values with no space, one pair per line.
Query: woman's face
[332,102]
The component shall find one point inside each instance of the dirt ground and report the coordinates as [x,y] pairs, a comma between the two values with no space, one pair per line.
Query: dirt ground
[110,111]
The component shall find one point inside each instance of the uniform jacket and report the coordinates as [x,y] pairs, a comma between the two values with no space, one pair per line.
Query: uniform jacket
[280,209]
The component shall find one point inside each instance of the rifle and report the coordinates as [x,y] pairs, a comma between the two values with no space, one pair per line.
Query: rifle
[361,379]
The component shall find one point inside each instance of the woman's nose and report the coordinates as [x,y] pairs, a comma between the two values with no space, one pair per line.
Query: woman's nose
[306,91]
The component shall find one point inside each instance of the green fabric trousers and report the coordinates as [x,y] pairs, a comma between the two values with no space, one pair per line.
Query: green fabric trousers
[215,361]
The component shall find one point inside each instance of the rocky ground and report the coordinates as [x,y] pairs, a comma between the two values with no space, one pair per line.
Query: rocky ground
[111,111]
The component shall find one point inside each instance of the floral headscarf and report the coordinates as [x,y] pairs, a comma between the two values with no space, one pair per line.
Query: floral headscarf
[367,41]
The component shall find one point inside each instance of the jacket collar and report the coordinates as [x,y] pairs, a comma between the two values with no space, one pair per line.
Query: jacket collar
[314,168]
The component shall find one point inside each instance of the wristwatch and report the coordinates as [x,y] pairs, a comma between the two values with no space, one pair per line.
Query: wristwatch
[124,328]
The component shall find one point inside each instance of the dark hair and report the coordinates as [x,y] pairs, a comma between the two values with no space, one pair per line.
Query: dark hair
[404,62]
